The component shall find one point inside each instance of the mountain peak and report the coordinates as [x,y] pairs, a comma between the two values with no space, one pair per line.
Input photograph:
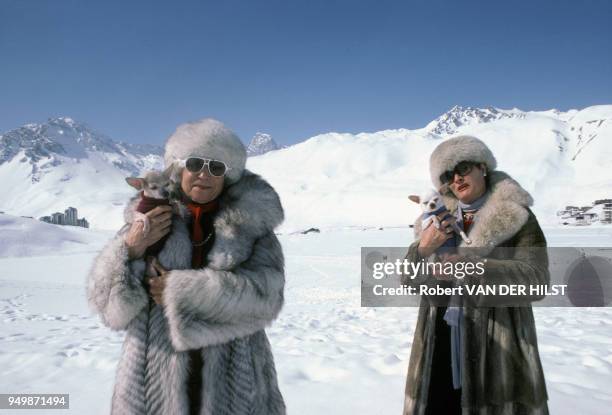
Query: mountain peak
[62,120]
[261,143]
[50,144]
[458,116]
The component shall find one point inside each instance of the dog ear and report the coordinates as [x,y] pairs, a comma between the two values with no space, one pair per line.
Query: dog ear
[416,199]
[136,182]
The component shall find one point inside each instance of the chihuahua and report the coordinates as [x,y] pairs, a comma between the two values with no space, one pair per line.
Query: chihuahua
[432,205]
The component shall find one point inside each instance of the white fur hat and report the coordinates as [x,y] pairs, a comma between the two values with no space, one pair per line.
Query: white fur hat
[451,152]
[207,138]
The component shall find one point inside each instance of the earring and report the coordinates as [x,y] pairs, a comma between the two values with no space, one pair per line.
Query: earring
[485,173]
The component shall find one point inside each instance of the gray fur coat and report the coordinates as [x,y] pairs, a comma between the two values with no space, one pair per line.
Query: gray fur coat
[222,309]
[502,370]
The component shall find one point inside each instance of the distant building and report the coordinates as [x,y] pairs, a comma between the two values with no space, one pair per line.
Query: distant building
[606,216]
[602,201]
[57,218]
[601,212]
[82,223]
[585,218]
[69,217]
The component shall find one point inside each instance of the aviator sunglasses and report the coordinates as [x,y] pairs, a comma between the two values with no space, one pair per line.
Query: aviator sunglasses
[462,169]
[216,168]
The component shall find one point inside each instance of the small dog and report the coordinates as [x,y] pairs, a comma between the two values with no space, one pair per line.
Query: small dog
[156,189]
[432,205]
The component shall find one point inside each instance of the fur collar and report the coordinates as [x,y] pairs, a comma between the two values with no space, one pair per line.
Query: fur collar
[248,210]
[504,213]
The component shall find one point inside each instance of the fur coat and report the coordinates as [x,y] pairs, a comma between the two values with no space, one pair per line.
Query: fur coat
[502,372]
[221,309]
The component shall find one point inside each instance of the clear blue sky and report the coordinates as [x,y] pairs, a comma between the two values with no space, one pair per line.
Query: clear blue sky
[136,69]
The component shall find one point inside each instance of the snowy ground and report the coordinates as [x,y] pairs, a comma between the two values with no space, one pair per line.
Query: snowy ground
[331,354]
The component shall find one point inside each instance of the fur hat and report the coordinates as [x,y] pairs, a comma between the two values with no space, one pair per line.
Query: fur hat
[451,152]
[207,138]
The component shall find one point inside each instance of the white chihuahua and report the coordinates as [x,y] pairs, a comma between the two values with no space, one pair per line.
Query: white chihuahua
[432,205]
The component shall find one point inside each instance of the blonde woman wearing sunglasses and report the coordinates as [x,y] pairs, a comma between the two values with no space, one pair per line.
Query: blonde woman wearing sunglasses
[195,317]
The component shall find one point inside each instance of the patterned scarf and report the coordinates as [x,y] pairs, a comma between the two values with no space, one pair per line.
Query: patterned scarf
[466,215]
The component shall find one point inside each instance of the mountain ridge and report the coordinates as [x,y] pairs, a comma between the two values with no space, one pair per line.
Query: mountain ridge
[48,171]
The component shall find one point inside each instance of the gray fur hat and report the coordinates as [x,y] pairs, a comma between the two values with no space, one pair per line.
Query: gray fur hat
[207,138]
[451,152]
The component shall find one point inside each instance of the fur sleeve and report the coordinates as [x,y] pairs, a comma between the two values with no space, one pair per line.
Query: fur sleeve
[209,306]
[114,285]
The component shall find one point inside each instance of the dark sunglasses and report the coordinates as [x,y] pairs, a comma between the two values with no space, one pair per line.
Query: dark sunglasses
[216,168]
[462,169]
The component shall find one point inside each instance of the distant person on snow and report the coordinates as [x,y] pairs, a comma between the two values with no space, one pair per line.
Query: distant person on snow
[200,346]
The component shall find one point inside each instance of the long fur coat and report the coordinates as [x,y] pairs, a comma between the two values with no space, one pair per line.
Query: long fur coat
[502,372]
[221,309]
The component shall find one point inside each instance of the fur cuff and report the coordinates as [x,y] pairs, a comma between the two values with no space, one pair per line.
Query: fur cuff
[207,306]
[114,286]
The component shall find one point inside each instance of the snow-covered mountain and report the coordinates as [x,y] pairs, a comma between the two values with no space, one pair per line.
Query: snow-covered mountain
[261,143]
[364,179]
[62,139]
[330,180]
[47,167]
[459,117]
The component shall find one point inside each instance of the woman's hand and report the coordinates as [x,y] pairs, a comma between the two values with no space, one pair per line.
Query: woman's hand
[160,222]
[157,276]
[432,238]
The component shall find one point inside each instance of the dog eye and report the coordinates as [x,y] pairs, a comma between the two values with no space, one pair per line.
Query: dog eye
[153,187]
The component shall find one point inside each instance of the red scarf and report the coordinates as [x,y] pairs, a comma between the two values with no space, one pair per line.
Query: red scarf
[199,212]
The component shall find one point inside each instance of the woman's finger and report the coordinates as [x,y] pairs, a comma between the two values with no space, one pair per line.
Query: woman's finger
[161,225]
[156,235]
[448,222]
[159,211]
[165,223]
[155,287]
[160,230]
[159,268]
[156,221]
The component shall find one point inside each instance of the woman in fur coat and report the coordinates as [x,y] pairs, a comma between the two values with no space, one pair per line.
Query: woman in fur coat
[500,371]
[195,317]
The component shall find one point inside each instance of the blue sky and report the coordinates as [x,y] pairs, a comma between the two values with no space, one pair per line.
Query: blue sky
[136,69]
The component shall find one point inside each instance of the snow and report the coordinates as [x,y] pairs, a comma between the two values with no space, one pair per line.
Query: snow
[331,354]
[364,179]
[333,179]
[24,237]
